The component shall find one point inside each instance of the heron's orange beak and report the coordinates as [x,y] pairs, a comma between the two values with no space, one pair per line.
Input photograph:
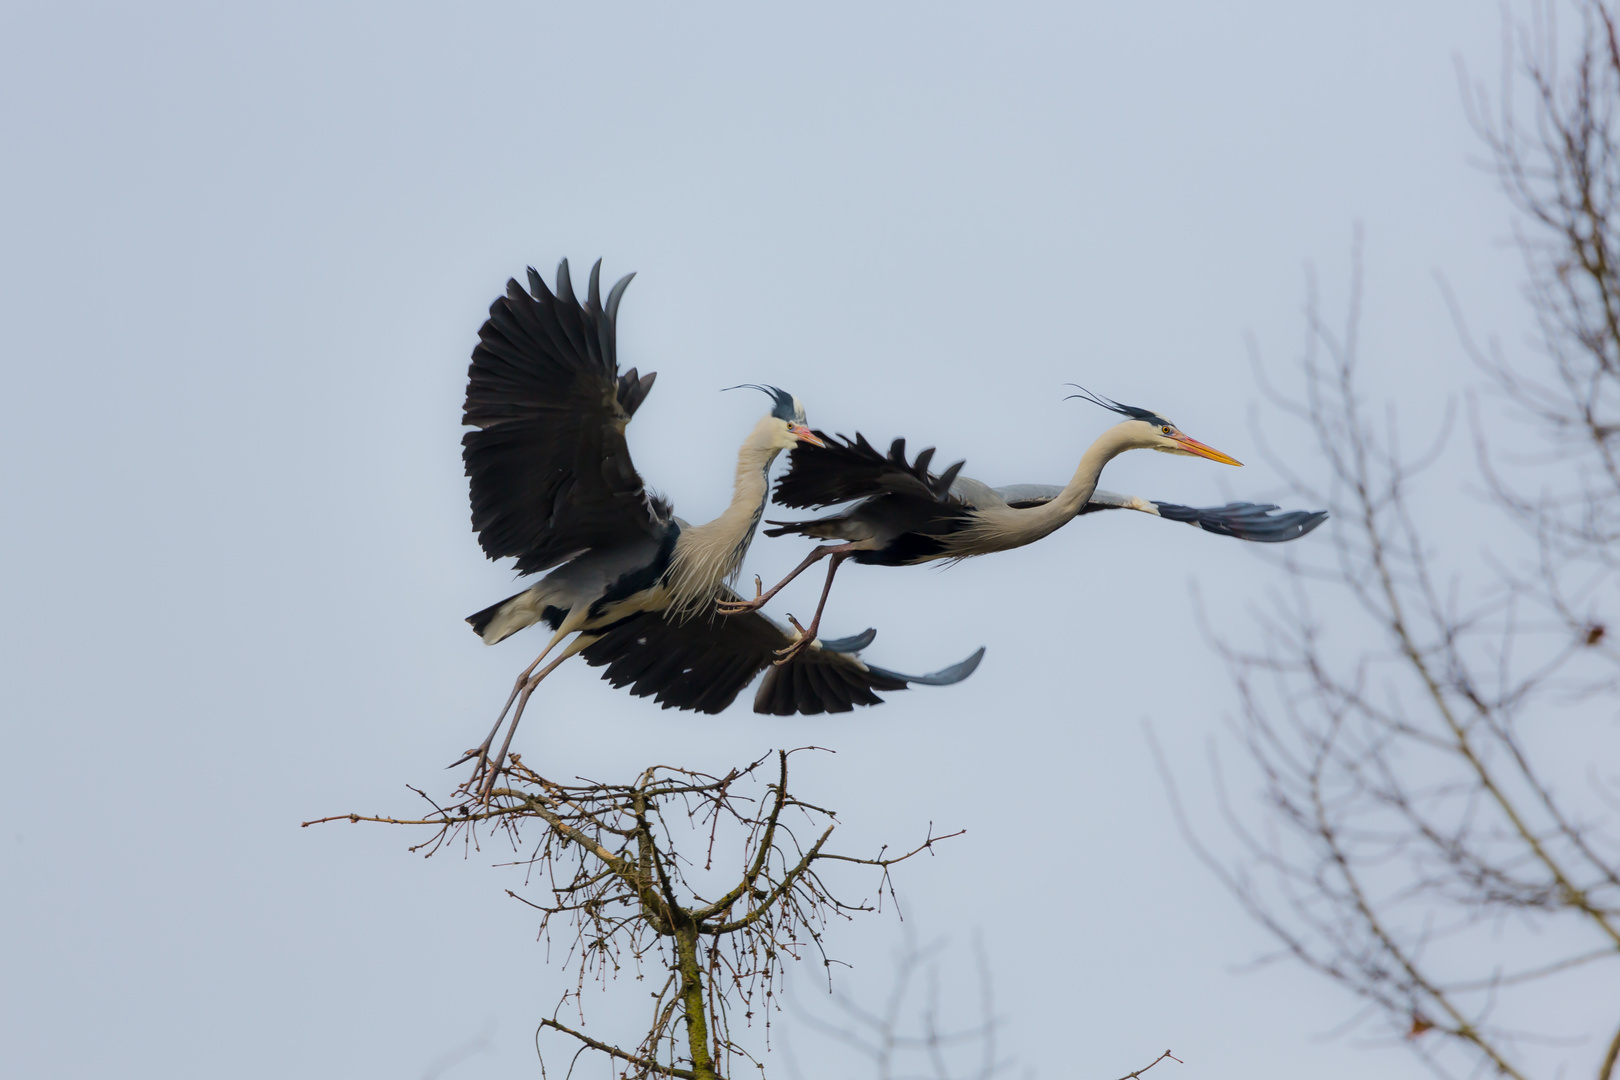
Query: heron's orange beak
[804,434]
[1193,446]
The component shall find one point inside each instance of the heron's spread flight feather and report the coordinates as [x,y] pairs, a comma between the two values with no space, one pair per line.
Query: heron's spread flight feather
[848,469]
[703,664]
[1257,522]
[548,466]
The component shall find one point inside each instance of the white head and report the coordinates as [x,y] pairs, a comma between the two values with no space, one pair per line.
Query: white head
[1147,430]
[786,426]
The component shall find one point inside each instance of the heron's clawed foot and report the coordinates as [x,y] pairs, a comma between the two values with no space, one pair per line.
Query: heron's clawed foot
[492,773]
[737,607]
[475,784]
[805,639]
[481,778]
[485,775]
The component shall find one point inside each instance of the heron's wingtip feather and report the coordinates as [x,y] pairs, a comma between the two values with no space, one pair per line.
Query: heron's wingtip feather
[594,296]
[616,294]
[852,644]
[943,677]
[1257,523]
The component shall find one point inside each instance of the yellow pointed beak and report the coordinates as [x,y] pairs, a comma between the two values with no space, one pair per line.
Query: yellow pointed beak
[804,434]
[1193,446]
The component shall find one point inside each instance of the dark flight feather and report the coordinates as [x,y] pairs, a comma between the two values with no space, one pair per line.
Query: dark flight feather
[1246,521]
[703,664]
[548,466]
[848,469]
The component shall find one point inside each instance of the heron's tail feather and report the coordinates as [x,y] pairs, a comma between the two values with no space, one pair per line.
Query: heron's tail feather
[500,621]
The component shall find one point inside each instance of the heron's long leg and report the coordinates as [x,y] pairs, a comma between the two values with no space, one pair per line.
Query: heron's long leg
[737,607]
[807,635]
[576,646]
[481,751]
[570,623]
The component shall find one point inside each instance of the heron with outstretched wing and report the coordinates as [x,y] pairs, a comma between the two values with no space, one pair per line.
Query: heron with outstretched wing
[905,514]
[552,486]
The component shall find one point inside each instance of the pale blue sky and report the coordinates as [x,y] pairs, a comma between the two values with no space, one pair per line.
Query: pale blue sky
[246,254]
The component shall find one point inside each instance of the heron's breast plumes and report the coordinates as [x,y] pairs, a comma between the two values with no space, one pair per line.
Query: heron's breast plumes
[708,556]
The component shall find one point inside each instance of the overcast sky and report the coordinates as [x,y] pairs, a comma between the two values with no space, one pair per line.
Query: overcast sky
[245,258]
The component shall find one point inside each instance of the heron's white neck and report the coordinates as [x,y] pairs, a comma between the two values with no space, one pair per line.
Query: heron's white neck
[1014,528]
[1109,445]
[707,555]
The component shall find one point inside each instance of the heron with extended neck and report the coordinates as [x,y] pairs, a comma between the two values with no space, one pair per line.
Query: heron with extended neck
[907,515]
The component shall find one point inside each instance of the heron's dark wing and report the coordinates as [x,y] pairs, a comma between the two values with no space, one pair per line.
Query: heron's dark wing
[548,467]
[848,469]
[703,663]
[1247,521]
[1257,522]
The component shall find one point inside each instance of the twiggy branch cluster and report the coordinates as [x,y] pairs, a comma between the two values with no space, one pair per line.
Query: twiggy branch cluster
[1561,170]
[1427,843]
[1562,173]
[610,858]
[897,1045]
[907,1040]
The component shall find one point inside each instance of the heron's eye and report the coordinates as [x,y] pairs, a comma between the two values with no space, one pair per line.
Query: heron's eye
[1166,428]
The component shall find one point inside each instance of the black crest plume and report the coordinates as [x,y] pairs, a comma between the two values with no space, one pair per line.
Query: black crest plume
[783,407]
[1113,406]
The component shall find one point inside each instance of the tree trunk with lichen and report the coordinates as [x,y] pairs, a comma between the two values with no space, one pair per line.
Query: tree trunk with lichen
[693,1004]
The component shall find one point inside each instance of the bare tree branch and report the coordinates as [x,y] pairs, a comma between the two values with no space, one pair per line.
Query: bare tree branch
[1419,844]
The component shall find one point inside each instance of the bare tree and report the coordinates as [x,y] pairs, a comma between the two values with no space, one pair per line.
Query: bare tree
[1436,835]
[905,1039]
[1562,173]
[610,858]
[909,1036]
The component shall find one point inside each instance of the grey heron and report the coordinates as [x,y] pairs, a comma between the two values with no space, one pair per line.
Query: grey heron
[907,515]
[553,486]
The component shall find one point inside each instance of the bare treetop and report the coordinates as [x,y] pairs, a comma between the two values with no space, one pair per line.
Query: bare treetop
[610,859]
